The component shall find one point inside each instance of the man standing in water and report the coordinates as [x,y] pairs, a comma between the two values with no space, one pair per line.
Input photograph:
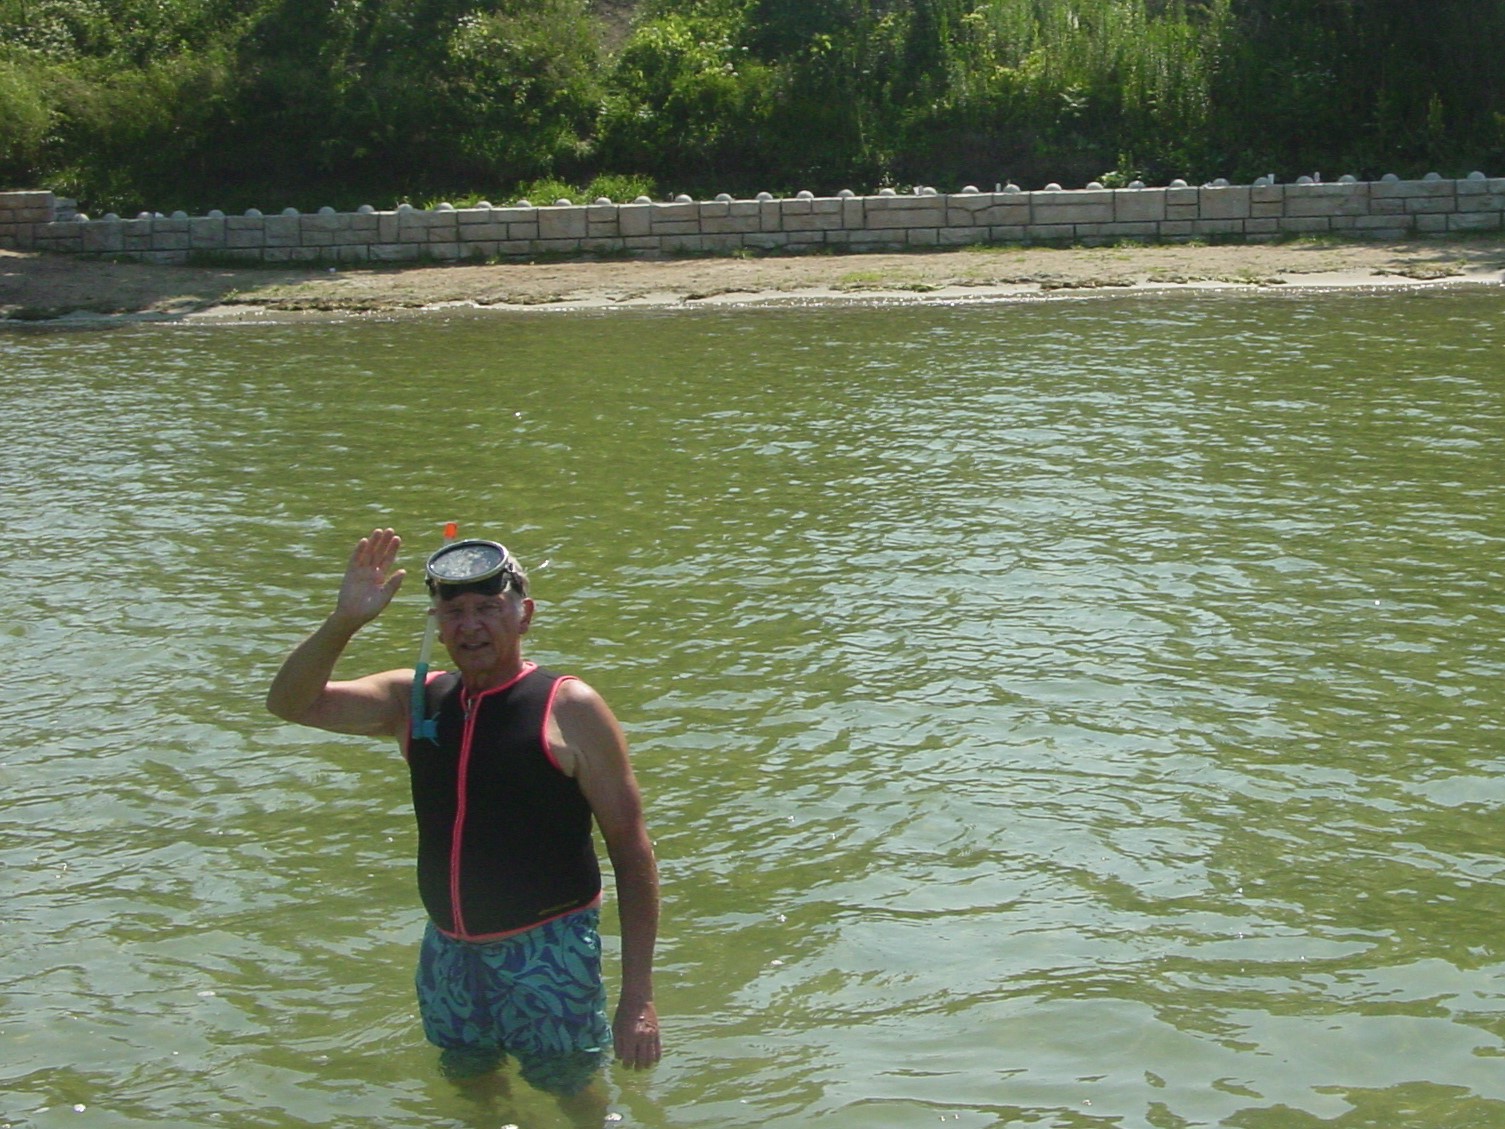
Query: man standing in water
[509,766]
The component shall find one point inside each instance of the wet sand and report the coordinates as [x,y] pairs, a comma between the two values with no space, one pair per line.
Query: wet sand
[36,287]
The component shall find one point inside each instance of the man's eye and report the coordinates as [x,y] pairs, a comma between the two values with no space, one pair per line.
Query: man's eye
[481,611]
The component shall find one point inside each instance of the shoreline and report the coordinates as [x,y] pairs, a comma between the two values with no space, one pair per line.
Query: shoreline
[38,288]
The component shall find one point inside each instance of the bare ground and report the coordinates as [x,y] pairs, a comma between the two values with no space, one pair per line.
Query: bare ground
[40,287]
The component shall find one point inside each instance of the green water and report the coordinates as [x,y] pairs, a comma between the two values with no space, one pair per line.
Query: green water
[1071,713]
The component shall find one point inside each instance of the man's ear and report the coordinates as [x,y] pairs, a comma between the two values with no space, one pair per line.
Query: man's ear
[527,619]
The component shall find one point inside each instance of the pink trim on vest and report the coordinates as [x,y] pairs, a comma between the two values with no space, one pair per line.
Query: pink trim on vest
[548,712]
[487,938]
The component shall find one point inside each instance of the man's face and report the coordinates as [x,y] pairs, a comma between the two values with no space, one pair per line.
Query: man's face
[482,631]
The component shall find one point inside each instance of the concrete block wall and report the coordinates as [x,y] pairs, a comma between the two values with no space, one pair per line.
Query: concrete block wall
[21,213]
[1384,209]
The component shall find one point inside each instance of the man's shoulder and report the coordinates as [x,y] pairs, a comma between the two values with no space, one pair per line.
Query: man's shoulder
[572,690]
[584,717]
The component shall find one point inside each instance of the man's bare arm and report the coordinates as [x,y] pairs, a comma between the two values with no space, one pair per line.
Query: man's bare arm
[595,752]
[302,690]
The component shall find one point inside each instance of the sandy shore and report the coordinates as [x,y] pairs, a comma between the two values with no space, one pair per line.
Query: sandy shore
[43,287]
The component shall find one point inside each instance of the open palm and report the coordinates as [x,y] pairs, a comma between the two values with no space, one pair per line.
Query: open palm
[370,580]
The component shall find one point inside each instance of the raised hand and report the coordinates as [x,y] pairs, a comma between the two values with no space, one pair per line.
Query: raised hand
[370,580]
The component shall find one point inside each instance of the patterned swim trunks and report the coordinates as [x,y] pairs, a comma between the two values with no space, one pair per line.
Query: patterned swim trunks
[537,996]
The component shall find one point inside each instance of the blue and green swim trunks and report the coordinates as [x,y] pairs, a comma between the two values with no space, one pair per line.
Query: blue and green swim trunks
[537,996]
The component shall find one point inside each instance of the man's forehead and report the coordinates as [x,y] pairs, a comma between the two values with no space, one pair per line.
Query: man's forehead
[473,596]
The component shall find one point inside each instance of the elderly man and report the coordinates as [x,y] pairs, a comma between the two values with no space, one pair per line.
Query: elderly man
[510,764]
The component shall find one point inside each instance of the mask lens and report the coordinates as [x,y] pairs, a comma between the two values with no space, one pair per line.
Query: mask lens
[467,562]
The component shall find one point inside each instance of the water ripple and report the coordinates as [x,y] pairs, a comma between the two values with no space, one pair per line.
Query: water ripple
[1071,712]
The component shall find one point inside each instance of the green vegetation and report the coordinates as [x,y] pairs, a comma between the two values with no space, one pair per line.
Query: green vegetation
[193,104]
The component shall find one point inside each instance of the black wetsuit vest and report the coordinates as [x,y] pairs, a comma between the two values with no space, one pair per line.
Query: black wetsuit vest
[504,837]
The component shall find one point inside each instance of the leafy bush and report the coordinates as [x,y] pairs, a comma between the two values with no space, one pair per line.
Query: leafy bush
[26,115]
[520,89]
[197,103]
[617,188]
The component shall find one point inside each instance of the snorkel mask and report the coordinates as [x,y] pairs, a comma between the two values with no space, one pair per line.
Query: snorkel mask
[479,566]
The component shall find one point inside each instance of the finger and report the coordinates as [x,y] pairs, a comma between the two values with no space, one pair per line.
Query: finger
[376,550]
[359,553]
[645,1051]
[367,548]
[388,545]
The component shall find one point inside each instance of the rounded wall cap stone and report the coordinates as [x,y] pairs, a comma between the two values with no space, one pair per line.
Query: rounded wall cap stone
[1094,185]
[970,190]
[366,210]
[525,203]
[765,197]
[564,202]
[216,214]
[1136,184]
[804,194]
[1011,189]
[404,207]
[1389,178]
[723,197]
[683,199]
[1432,176]
[1477,176]
[887,192]
[642,200]
[326,210]
[180,215]
[1305,180]
[445,207]
[1054,187]
[845,194]
[111,217]
[290,211]
[1178,183]
[1348,178]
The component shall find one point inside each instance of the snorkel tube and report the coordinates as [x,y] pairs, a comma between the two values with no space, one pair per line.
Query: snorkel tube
[427,728]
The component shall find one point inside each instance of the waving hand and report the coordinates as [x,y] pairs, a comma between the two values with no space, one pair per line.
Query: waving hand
[370,580]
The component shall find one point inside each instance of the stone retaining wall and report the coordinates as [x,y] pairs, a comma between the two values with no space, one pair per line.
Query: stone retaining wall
[1386,209]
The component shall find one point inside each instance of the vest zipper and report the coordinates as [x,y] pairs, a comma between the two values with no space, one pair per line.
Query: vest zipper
[470,705]
[457,835]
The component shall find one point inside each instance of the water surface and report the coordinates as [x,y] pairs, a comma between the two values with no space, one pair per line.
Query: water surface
[1069,712]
